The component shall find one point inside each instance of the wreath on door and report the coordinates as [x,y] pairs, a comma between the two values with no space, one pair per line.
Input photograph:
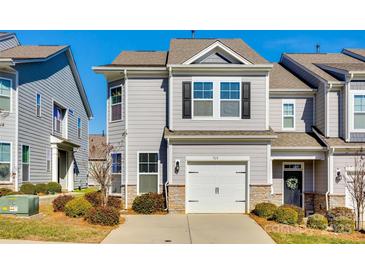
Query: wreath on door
[292,183]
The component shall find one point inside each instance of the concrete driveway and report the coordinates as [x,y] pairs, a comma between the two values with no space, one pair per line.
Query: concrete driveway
[189,229]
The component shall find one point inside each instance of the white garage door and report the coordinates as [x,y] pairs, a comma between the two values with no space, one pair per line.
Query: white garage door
[218,187]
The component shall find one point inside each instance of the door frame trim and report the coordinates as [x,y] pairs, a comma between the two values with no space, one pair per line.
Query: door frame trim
[67,166]
[302,170]
[243,159]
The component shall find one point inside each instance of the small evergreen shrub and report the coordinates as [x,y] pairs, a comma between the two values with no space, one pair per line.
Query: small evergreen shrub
[54,187]
[149,203]
[317,221]
[338,212]
[343,224]
[60,202]
[286,215]
[41,188]
[114,202]
[265,210]
[28,188]
[298,209]
[77,207]
[95,198]
[108,216]
[5,191]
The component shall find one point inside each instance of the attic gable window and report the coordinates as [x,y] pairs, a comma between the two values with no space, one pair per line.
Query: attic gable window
[116,103]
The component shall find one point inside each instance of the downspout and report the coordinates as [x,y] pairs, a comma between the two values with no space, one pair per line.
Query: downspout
[329,176]
[126,136]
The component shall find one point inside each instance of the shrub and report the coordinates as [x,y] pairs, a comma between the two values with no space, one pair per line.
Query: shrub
[265,210]
[41,188]
[28,188]
[60,202]
[286,215]
[77,207]
[148,203]
[103,216]
[298,209]
[95,199]
[5,191]
[338,212]
[343,224]
[114,202]
[54,187]
[317,221]
[15,193]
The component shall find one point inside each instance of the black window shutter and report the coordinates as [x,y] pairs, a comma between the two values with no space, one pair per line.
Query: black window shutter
[246,100]
[186,100]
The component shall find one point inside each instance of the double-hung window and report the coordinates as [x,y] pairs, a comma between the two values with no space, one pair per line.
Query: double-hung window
[57,118]
[148,172]
[116,104]
[38,105]
[203,99]
[288,115]
[25,163]
[230,99]
[5,92]
[359,112]
[79,127]
[116,163]
[5,149]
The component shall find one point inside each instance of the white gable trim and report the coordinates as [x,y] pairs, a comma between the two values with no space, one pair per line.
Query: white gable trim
[217,44]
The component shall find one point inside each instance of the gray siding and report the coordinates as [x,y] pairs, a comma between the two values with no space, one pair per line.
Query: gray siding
[357,85]
[336,114]
[321,176]
[341,162]
[277,175]
[8,43]
[258,109]
[320,108]
[146,122]
[256,152]
[303,114]
[8,129]
[54,80]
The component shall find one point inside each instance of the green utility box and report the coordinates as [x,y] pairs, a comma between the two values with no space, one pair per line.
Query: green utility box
[23,205]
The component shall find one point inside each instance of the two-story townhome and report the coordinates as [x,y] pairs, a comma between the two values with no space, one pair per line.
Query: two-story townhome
[44,114]
[217,128]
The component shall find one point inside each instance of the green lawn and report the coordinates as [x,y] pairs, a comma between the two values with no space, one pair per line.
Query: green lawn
[302,238]
[86,190]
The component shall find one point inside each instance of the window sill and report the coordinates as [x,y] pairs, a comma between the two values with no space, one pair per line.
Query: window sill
[115,121]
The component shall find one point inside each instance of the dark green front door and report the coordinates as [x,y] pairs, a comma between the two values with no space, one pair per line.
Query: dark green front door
[293,181]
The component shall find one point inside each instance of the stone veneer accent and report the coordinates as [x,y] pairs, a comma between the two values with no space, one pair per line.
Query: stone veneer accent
[262,193]
[176,198]
[309,201]
[319,203]
[336,200]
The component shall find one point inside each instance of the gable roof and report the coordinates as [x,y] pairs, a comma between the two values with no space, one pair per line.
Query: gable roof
[182,50]
[346,66]
[312,62]
[293,140]
[31,52]
[282,78]
[141,58]
[358,52]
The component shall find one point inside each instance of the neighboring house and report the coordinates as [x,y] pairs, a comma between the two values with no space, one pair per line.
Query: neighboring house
[97,153]
[44,115]
[218,128]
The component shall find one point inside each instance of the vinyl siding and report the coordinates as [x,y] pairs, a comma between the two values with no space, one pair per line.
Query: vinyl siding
[277,175]
[8,43]
[146,122]
[303,113]
[54,80]
[256,152]
[8,129]
[341,162]
[320,108]
[258,108]
[335,109]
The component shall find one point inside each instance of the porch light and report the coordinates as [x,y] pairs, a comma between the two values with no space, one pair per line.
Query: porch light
[177,166]
[338,175]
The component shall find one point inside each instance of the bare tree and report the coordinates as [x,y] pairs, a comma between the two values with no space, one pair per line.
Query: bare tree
[355,184]
[100,169]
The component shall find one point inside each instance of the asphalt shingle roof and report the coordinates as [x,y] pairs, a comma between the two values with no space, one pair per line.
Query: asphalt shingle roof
[141,58]
[296,139]
[281,78]
[30,52]
[360,52]
[348,66]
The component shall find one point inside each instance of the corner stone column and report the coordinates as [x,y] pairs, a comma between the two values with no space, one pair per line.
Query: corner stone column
[54,150]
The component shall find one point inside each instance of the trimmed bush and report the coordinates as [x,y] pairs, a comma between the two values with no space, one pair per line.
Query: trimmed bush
[317,221]
[28,188]
[60,202]
[5,191]
[298,209]
[286,215]
[103,216]
[95,199]
[114,202]
[54,187]
[343,224]
[149,203]
[338,212]
[77,207]
[265,210]
[41,188]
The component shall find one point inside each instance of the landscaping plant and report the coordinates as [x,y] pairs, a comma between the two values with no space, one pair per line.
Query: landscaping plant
[338,212]
[54,187]
[60,202]
[41,188]
[298,209]
[343,224]
[317,221]
[95,198]
[5,191]
[28,188]
[77,207]
[286,215]
[265,210]
[149,203]
[103,215]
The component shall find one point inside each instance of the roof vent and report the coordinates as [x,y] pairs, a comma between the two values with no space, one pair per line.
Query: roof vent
[193,34]
[318,48]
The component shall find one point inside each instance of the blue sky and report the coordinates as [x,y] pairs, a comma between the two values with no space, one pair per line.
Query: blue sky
[92,48]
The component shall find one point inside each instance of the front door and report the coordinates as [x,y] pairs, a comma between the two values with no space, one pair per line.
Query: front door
[62,168]
[293,181]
